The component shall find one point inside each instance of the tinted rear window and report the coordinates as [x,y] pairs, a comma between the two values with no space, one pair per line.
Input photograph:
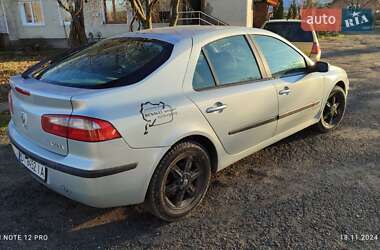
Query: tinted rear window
[292,31]
[108,63]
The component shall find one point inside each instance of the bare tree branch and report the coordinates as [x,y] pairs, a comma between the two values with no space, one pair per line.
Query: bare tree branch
[138,9]
[77,36]
[63,6]
[80,8]
[175,9]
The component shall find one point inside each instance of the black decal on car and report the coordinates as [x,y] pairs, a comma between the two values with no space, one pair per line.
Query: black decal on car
[156,114]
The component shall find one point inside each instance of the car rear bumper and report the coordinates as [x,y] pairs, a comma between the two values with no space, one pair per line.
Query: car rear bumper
[107,186]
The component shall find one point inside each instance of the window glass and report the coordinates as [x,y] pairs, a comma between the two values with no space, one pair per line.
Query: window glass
[108,63]
[116,11]
[37,12]
[28,13]
[31,12]
[203,77]
[233,60]
[282,59]
[292,31]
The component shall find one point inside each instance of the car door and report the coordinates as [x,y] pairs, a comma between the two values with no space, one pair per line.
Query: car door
[229,90]
[299,92]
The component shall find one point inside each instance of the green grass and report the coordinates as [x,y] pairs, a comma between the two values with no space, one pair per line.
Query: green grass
[335,35]
[4,120]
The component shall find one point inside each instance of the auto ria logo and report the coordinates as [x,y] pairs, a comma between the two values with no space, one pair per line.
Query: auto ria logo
[338,20]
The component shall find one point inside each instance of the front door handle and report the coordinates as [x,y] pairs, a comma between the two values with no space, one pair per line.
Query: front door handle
[285,91]
[218,107]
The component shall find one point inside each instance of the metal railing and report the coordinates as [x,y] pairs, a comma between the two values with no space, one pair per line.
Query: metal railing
[198,18]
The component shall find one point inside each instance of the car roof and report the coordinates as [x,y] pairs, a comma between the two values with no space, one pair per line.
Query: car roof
[180,33]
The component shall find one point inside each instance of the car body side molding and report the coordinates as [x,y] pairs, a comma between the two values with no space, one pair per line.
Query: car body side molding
[273,119]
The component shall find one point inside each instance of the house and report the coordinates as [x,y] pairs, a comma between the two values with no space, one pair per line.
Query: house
[43,22]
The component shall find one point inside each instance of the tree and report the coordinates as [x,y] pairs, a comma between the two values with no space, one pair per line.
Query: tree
[77,36]
[279,11]
[292,11]
[308,4]
[175,9]
[144,9]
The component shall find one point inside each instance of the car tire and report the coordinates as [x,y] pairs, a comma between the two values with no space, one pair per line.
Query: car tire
[334,110]
[179,182]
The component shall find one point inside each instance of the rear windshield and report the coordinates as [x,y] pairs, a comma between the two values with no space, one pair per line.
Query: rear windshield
[108,63]
[292,31]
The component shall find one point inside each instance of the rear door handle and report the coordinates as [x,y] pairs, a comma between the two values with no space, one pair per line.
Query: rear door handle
[218,107]
[285,91]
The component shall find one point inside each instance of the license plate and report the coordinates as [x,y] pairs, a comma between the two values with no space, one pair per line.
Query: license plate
[36,168]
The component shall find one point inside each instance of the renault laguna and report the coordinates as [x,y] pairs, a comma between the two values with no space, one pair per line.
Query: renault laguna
[150,116]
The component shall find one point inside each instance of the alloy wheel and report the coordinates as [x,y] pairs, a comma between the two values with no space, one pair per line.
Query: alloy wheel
[334,110]
[185,181]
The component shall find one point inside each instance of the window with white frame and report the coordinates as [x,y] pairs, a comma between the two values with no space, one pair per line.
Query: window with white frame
[31,12]
[65,16]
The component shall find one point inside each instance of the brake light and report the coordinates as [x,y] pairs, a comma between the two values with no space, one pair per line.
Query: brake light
[315,50]
[79,128]
[22,91]
[10,102]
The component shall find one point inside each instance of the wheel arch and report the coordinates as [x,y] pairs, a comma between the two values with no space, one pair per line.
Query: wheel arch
[207,144]
[342,85]
[204,141]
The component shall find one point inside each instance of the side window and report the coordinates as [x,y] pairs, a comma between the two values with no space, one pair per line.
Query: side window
[202,77]
[232,60]
[282,59]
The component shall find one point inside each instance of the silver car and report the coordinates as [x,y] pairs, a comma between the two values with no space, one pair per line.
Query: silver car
[150,116]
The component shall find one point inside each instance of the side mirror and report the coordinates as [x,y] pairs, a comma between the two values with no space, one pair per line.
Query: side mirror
[321,67]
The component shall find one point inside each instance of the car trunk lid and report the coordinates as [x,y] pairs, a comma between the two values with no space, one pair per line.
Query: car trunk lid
[31,99]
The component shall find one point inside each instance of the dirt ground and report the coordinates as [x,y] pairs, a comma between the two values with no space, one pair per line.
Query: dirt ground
[305,192]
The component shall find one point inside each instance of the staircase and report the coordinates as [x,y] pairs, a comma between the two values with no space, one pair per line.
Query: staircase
[198,18]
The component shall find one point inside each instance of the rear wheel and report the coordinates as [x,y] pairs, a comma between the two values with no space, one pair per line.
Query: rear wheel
[333,111]
[180,181]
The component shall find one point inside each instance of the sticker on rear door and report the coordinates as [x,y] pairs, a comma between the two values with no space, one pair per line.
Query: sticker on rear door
[156,114]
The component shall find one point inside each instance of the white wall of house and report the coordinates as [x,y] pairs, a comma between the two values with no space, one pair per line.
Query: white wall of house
[3,19]
[95,21]
[49,28]
[50,24]
[237,12]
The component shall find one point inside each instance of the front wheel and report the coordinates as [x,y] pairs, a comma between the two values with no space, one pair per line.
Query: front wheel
[180,181]
[333,111]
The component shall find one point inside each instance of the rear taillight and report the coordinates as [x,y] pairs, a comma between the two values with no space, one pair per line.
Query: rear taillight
[22,91]
[10,102]
[79,128]
[315,50]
